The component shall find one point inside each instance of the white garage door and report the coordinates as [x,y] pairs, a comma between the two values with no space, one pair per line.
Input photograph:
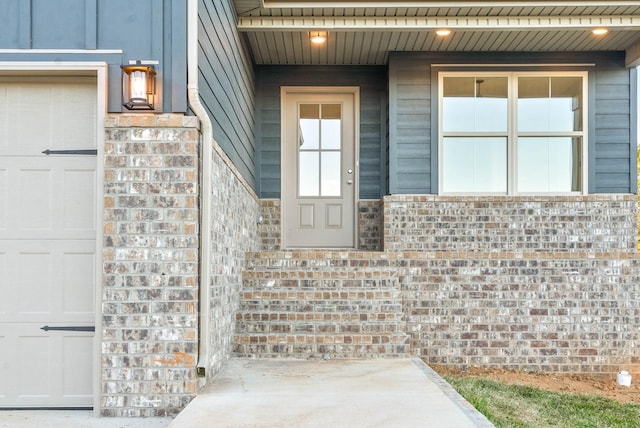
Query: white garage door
[47,241]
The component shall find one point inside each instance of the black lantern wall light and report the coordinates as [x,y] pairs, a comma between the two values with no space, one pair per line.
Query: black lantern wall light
[138,85]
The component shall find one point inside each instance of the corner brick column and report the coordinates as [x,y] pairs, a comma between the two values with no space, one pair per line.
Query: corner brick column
[150,253]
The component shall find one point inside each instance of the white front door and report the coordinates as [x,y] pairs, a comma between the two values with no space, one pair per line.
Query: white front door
[47,241]
[319,167]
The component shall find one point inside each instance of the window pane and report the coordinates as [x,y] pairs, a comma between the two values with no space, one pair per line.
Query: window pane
[309,174]
[330,127]
[330,185]
[549,104]
[331,111]
[309,124]
[566,104]
[475,104]
[475,164]
[549,164]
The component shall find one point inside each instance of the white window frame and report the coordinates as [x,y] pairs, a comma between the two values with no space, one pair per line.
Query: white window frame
[512,131]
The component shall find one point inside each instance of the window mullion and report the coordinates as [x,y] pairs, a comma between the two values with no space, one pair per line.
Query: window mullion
[512,138]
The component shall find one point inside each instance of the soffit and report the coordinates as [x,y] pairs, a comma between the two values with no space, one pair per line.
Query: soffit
[364,32]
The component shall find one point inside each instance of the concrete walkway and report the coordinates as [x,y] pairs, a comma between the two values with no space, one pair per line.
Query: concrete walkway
[73,419]
[339,393]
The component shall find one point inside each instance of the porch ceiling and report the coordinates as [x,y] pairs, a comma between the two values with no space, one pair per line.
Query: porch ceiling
[364,32]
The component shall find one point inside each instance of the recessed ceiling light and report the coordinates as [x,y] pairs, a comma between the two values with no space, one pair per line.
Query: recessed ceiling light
[600,31]
[318,37]
[443,32]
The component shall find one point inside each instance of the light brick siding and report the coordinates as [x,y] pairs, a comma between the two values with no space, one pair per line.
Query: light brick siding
[536,223]
[529,283]
[545,312]
[151,262]
[270,230]
[370,225]
[150,287]
[550,312]
[234,214]
[320,304]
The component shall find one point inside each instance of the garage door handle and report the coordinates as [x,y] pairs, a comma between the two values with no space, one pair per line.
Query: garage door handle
[71,152]
[69,328]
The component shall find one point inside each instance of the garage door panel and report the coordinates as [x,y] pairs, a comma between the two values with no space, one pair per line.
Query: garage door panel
[4,274]
[78,276]
[4,196]
[65,114]
[79,197]
[78,351]
[31,294]
[4,119]
[78,112]
[53,198]
[45,368]
[5,364]
[59,285]
[34,199]
[33,353]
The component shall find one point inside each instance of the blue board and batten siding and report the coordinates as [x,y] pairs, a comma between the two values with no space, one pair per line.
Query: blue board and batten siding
[413,95]
[226,81]
[372,82]
[142,29]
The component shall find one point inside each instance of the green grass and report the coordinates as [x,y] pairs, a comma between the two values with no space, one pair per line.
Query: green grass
[521,406]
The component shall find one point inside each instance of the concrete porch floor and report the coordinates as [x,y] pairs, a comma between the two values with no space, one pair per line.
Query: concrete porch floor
[298,393]
[334,393]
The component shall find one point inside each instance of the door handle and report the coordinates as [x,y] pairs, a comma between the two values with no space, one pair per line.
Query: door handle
[349,181]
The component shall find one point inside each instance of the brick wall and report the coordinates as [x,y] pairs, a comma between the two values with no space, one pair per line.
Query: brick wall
[550,312]
[528,283]
[546,312]
[234,215]
[370,225]
[536,223]
[270,228]
[150,253]
[151,267]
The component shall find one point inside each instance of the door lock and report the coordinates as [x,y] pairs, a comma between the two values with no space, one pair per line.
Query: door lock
[350,171]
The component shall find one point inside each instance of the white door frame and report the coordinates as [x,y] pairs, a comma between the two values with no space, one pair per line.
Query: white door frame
[355,91]
[98,69]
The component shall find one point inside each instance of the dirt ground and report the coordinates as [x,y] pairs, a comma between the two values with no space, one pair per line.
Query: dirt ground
[577,384]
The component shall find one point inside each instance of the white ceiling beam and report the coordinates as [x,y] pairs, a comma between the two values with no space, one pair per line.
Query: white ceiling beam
[632,55]
[304,4]
[268,23]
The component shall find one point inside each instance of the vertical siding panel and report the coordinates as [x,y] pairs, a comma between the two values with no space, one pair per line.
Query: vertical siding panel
[175,48]
[633,132]
[612,171]
[24,24]
[91,24]
[410,124]
[10,24]
[58,24]
[393,127]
